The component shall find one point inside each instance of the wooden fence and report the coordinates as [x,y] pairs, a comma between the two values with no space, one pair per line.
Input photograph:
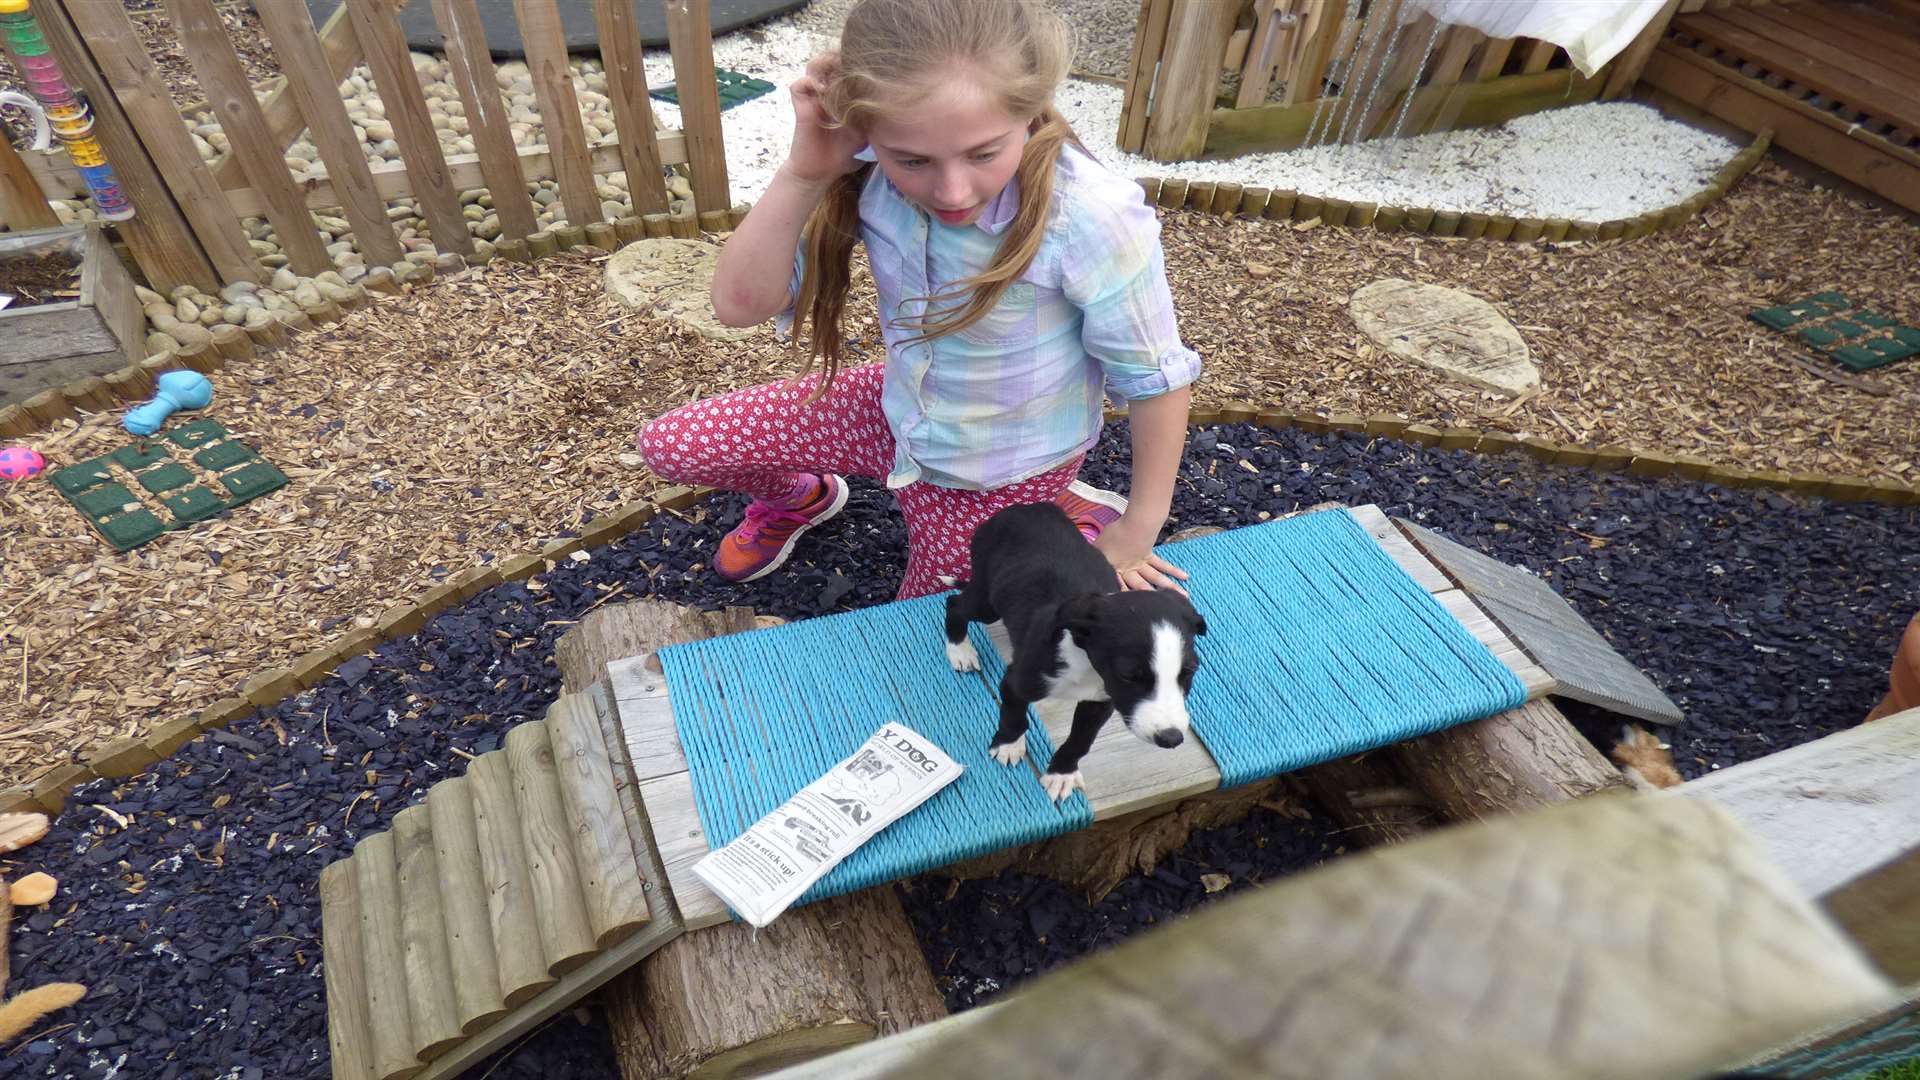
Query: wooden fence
[189,224]
[1412,78]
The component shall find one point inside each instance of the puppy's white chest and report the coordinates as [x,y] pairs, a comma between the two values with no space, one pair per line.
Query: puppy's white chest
[1076,681]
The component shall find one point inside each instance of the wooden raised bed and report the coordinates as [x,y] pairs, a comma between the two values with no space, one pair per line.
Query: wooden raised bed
[48,345]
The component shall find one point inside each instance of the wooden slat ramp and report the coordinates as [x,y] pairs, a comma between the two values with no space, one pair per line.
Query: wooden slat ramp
[505,895]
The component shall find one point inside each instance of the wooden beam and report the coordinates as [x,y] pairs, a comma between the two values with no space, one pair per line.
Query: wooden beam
[1233,132]
[341,50]
[1874,163]
[1492,60]
[163,242]
[1327,30]
[1539,56]
[22,204]
[690,32]
[312,88]
[1625,69]
[1468,953]
[1837,815]
[1258,64]
[634,123]
[1143,73]
[1402,76]
[224,82]
[1812,65]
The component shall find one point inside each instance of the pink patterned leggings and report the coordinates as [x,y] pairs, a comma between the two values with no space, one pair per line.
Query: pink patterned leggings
[754,440]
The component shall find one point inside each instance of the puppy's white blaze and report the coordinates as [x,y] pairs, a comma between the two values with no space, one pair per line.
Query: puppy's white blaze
[1010,754]
[962,656]
[1166,709]
[1061,785]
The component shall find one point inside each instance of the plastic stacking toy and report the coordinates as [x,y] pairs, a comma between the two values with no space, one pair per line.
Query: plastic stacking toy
[60,107]
[20,463]
[173,391]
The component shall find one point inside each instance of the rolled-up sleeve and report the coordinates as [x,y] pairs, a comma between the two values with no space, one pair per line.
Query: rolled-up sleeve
[1113,270]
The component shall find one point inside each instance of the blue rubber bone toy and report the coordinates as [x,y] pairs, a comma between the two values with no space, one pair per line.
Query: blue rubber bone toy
[173,391]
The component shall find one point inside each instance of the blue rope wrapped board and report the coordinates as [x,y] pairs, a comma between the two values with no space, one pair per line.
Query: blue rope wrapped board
[1318,645]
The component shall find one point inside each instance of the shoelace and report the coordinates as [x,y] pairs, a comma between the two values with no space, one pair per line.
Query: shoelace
[762,515]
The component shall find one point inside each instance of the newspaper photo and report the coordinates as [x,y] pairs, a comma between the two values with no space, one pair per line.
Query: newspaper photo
[765,869]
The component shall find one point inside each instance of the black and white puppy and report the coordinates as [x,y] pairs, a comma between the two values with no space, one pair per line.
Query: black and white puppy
[1077,637]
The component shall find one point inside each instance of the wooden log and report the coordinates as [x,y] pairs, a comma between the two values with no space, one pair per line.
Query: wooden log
[519,960]
[47,407]
[601,234]
[546,48]
[1519,760]
[390,1020]
[690,38]
[349,1034]
[542,244]
[566,937]
[820,977]
[632,111]
[423,936]
[229,93]
[614,892]
[377,24]
[232,343]
[470,69]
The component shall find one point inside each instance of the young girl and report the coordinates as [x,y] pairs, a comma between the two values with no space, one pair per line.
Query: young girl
[1017,279]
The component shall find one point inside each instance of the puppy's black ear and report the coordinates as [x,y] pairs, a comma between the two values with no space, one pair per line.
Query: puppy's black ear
[1199,625]
[1079,618]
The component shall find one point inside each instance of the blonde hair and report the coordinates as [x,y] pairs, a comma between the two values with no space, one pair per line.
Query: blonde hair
[894,55]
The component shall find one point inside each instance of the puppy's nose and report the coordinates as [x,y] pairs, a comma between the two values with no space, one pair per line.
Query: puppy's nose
[1168,738]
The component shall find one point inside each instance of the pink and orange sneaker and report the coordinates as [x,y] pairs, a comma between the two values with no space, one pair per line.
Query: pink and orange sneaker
[1091,508]
[764,539]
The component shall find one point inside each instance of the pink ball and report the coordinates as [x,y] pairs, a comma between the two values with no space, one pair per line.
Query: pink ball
[19,463]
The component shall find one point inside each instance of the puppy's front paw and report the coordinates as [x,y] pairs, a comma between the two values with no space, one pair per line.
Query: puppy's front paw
[1061,785]
[962,656]
[1009,753]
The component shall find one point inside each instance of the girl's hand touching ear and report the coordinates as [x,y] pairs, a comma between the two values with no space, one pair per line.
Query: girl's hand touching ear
[820,154]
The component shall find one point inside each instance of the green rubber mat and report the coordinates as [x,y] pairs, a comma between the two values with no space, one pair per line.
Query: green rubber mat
[735,89]
[1830,324]
[150,487]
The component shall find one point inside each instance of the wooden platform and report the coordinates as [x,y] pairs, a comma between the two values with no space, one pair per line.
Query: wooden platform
[1122,773]
[1837,81]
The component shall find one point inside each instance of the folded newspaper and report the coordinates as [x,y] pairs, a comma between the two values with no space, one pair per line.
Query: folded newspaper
[761,872]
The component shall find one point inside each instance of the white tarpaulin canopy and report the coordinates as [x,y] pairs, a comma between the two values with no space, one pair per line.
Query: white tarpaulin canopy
[1592,31]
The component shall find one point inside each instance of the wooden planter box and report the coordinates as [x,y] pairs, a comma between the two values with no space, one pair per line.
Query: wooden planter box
[50,345]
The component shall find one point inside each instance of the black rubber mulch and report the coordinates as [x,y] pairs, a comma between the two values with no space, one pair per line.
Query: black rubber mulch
[1769,619]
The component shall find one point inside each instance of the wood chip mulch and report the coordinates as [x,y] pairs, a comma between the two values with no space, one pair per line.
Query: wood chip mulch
[483,415]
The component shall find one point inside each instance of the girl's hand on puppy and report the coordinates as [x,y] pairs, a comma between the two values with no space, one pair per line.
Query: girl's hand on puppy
[1128,545]
[821,153]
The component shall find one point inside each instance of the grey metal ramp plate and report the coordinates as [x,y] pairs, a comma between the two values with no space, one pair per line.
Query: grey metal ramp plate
[576,21]
[1579,659]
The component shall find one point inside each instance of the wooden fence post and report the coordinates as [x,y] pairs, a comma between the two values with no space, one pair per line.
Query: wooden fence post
[135,81]
[163,243]
[1197,33]
[224,82]
[312,82]
[632,114]
[339,52]
[1632,60]
[559,110]
[690,33]
[377,24]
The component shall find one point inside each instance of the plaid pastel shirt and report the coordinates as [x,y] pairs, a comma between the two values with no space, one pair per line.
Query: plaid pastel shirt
[1020,392]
